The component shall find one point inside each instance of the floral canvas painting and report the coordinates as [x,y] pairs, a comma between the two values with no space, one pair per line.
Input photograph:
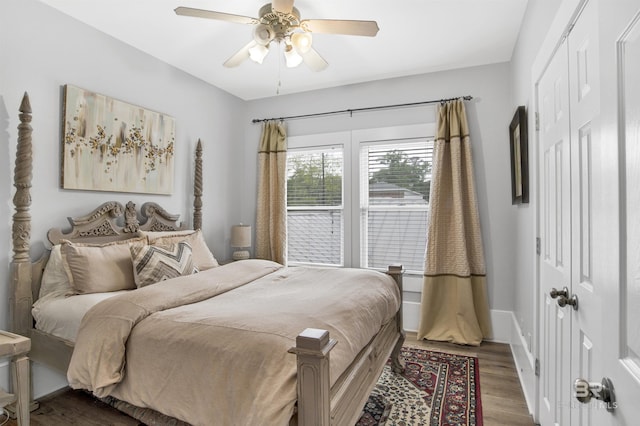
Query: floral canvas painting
[109,145]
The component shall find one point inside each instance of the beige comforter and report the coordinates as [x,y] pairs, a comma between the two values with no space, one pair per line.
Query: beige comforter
[211,348]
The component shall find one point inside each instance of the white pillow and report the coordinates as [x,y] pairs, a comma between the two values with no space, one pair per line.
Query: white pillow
[55,281]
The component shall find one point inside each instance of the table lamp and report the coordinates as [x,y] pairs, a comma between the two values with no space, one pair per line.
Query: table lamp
[241,239]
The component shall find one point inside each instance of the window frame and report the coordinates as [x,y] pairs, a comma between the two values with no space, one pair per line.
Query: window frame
[318,141]
[351,142]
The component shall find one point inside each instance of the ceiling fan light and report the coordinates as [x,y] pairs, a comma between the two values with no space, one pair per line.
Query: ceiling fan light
[258,52]
[291,57]
[301,42]
[263,34]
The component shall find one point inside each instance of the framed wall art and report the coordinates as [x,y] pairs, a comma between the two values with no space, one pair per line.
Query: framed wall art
[109,145]
[519,157]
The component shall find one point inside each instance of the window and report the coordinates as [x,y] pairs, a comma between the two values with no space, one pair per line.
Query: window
[395,181]
[359,198]
[314,206]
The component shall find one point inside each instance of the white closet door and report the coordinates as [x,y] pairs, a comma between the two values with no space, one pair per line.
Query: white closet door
[555,226]
[590,220]
[616,243]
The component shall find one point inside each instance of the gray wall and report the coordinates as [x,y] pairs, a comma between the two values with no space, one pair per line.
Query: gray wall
[42,50]
[489,114]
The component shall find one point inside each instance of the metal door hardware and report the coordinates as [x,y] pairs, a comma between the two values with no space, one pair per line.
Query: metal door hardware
[603,391]
[564,298]
[572,301]
[559,293]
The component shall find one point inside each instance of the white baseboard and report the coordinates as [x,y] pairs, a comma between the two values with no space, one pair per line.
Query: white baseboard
[525,364]
[500,321]
[411,316]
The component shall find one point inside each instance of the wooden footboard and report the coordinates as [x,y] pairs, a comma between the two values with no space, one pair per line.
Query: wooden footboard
[319,404]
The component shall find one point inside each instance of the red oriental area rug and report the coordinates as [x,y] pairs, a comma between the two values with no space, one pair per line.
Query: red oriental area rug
[436,389]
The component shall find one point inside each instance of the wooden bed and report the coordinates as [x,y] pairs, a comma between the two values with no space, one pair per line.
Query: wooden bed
[318,403]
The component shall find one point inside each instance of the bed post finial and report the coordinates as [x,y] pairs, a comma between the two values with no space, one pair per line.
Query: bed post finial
[197,189]
[21,299]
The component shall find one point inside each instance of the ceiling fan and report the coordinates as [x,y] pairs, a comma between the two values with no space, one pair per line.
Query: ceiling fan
[279,21]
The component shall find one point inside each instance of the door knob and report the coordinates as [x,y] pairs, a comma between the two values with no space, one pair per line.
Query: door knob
[559,293]
[603,391]
[572,301]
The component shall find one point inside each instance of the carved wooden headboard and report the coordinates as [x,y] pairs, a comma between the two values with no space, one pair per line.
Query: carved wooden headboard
[110,221]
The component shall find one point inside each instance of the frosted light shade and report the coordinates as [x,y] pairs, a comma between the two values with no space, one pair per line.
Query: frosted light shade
[302,42]
[258,52]
[241,236]
[292,58]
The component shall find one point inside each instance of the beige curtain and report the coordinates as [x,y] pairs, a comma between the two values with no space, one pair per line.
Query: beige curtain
[271,220]
[454,304]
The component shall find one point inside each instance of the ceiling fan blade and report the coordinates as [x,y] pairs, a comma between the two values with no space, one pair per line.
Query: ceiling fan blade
[335,26]
[313,60]
[210,14]
[240,55]
[284,6]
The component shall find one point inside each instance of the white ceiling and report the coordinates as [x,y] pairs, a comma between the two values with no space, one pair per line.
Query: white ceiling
[415,37]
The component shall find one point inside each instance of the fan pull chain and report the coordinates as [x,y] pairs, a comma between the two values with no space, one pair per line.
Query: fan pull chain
[280,56]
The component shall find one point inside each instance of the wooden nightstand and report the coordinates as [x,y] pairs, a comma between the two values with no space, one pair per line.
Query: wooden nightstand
[16,347]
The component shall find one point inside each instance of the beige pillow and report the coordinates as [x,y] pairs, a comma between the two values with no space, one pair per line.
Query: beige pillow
[100,268]
[54,278]
[152,264]
[203,259]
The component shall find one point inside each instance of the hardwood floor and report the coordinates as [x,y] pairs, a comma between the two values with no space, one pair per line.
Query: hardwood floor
[503,402]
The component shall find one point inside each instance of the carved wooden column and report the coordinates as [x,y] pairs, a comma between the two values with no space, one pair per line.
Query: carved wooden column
[20,294]
[197,189]
[314,384]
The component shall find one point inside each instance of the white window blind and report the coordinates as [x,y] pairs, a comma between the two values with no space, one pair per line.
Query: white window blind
[395,180]
[315,216]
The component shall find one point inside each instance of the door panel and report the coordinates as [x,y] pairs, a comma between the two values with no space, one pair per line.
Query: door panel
[630,57]
[584,106]
[623,288]
[555,265]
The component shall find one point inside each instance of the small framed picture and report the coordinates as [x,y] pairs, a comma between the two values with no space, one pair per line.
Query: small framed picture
[519,157]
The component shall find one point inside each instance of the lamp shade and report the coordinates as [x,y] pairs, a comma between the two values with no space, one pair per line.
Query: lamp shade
[301,42]
[292,58]
[241,236]
[258,52]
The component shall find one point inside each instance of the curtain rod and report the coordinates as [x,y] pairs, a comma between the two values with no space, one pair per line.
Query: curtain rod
[351,111]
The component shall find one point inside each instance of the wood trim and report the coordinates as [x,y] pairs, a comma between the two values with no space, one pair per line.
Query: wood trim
[50,350]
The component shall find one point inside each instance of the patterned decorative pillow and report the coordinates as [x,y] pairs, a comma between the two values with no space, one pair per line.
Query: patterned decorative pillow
[202,256]
[152,264]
